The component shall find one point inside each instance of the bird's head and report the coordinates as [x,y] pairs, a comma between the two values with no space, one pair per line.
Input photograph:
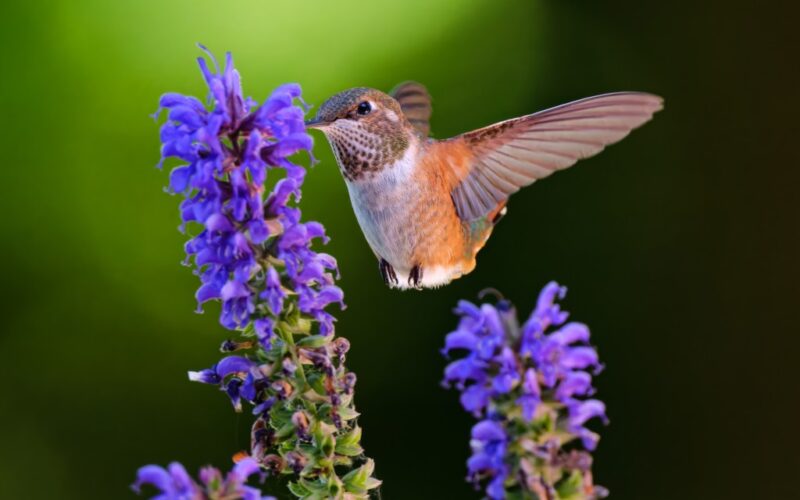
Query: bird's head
[366,128]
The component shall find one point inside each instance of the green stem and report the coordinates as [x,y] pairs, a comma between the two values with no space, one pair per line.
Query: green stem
[288,338]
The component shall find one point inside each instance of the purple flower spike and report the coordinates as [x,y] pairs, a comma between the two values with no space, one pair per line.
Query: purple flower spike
[528,384]
[254,254]
[174,483]
[228,149]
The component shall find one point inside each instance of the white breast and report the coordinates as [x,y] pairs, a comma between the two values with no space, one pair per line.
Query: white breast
[381,204]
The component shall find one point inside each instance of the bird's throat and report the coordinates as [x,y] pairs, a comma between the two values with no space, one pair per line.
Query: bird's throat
[363,153]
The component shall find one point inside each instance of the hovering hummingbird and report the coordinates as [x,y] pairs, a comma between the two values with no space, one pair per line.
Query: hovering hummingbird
[427,206]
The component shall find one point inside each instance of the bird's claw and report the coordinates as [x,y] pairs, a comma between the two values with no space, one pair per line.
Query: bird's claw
[387,272]
[415,277]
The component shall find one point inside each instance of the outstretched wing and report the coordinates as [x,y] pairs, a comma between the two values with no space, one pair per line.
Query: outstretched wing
[415,101]
[517,152]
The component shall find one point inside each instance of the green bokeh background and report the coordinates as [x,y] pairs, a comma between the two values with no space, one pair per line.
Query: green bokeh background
[679,245]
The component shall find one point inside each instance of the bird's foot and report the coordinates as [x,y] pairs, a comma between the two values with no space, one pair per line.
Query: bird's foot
[387,272]
[415,277]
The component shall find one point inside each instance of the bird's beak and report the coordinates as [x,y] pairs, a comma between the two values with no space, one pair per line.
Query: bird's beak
[317,123]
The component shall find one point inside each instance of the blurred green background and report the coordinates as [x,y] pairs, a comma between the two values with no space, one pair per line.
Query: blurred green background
[679,245]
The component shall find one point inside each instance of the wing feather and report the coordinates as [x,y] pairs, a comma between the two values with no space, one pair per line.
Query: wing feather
[517,152]
[415,101]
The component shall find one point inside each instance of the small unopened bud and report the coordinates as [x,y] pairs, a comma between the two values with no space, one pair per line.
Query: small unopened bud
[296,461]
[282,388]
[231,346]
[340,346]
[262,437]
[336,418]
[273,463]
[573,460]
[288,366]
[319,358]
[349,382]
[300,422]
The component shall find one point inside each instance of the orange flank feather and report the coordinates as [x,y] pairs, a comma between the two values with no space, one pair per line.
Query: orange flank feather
[445,240]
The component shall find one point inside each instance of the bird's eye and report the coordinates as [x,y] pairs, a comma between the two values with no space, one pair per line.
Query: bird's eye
[364,108]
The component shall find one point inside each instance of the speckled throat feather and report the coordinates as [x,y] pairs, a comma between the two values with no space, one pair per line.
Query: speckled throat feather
[363,149]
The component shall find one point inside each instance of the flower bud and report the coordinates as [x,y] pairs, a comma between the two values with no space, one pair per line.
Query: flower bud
[349,382]
[300,422]
[282,388]
[273,463]
[296,461]
[262,438]
[340,346]
[232,346]
[288,366]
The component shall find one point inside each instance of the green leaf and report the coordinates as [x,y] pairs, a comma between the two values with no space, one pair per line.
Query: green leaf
[249,330]
[300,325]
[347,413]
[327,445]
[280,415]
[371,483]
[299,490]
[346,399]
[343,461]
[324,410]
[571,487]
[349,450]
[285,431]
[348,443]
[335,488]
[353,436]
[317,382]
[313,341]
[314,486]
[360,480]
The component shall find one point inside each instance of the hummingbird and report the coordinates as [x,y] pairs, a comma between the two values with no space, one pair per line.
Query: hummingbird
[427,206]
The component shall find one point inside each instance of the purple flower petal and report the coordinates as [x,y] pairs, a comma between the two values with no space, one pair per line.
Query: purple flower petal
[571,333]
[475,398]
[234,290]
[574,384]
[460,339]
[233,364]
[496,489]
[265,332]
[206,376]
[582,411]
[155,476]
[488,430]
[579,357]
[244,469]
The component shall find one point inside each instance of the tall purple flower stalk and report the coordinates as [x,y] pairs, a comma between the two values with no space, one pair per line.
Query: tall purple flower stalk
[530,386]
[253,254]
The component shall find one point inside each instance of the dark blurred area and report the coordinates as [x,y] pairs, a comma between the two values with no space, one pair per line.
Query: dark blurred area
[679,245]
